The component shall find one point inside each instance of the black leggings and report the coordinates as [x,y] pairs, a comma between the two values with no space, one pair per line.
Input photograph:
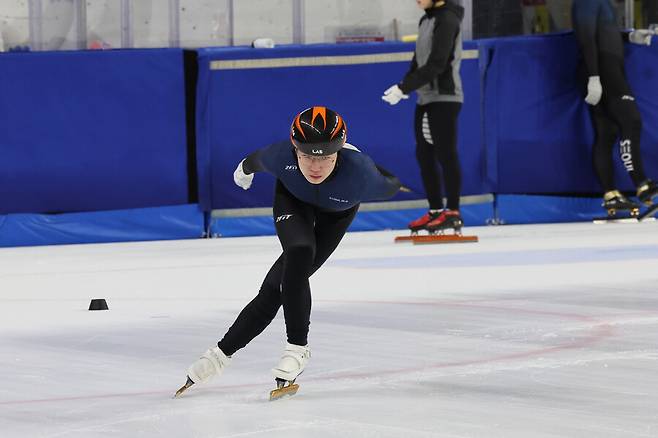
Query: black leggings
[308,236]
[436,143]
[616,117]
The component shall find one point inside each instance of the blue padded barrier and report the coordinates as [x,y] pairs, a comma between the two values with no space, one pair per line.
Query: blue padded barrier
[473,214]
[159,223]
[524,127]
[536,123]
[92,130]
[530,209]
[243,105]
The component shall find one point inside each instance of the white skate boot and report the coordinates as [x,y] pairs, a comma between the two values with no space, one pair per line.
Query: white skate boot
[210,364]
[292,364]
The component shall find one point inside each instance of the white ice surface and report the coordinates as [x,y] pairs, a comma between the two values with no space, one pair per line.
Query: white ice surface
[536,331]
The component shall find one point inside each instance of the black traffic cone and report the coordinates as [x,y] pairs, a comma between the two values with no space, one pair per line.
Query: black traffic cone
[98,304]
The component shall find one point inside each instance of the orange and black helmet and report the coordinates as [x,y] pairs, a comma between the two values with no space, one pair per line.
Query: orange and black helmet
[318,131]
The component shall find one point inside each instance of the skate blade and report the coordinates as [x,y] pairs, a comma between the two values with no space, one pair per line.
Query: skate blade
[184,388]
[287,390]
[445,238]
[436,238]
[615,220]
[648,215]
[411,237]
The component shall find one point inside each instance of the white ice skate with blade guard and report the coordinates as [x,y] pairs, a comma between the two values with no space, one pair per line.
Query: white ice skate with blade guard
[292,364]
[210,364]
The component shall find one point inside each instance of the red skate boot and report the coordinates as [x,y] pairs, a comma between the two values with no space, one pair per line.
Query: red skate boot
[448,219]
[445,220]
[421,222]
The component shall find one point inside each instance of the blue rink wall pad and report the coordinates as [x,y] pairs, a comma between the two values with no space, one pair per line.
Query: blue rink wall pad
[92,131]
[187,221]
[538,133]
[238,86]
[103,138]
[531,209]
[156,223]
[506,209]
[364,221]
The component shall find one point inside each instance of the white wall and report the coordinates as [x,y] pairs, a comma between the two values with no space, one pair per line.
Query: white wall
[14,25]
[203,22]
[326,19]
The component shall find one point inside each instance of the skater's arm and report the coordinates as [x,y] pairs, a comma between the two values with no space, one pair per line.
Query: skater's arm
[379,182]
[413,66]
[254,162]
[265,159]
[383,171]
[394,178]
[262,160]
[585,22]
[443,43]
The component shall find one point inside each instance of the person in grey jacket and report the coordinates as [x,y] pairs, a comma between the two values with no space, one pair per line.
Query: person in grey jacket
[434,75]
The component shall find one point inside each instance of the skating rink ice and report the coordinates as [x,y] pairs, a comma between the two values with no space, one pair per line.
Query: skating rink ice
[536,331]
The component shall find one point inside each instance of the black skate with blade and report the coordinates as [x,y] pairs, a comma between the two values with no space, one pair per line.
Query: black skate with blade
[619,208]
[647,193]
[649,213]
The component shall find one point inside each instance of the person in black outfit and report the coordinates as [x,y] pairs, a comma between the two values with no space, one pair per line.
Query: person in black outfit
[651,12]
[321,181]
[613,109]
[434,75]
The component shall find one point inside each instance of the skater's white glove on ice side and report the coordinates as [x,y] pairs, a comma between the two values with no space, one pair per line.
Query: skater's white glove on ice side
[594,90]
[393,95]
[641,36]
[242,179]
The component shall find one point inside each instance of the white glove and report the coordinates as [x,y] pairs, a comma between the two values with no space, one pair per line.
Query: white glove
[594,90]
[263,43]
[641,36]
[242,179]
[393,95]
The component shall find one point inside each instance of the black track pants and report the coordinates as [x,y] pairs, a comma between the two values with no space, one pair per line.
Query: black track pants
[308,237]
[436,152]
[616,117]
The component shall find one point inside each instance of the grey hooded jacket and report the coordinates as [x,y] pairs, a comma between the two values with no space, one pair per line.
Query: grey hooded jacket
[434,70]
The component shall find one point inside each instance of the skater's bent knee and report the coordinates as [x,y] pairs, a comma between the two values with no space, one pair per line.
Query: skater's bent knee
[300,253]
